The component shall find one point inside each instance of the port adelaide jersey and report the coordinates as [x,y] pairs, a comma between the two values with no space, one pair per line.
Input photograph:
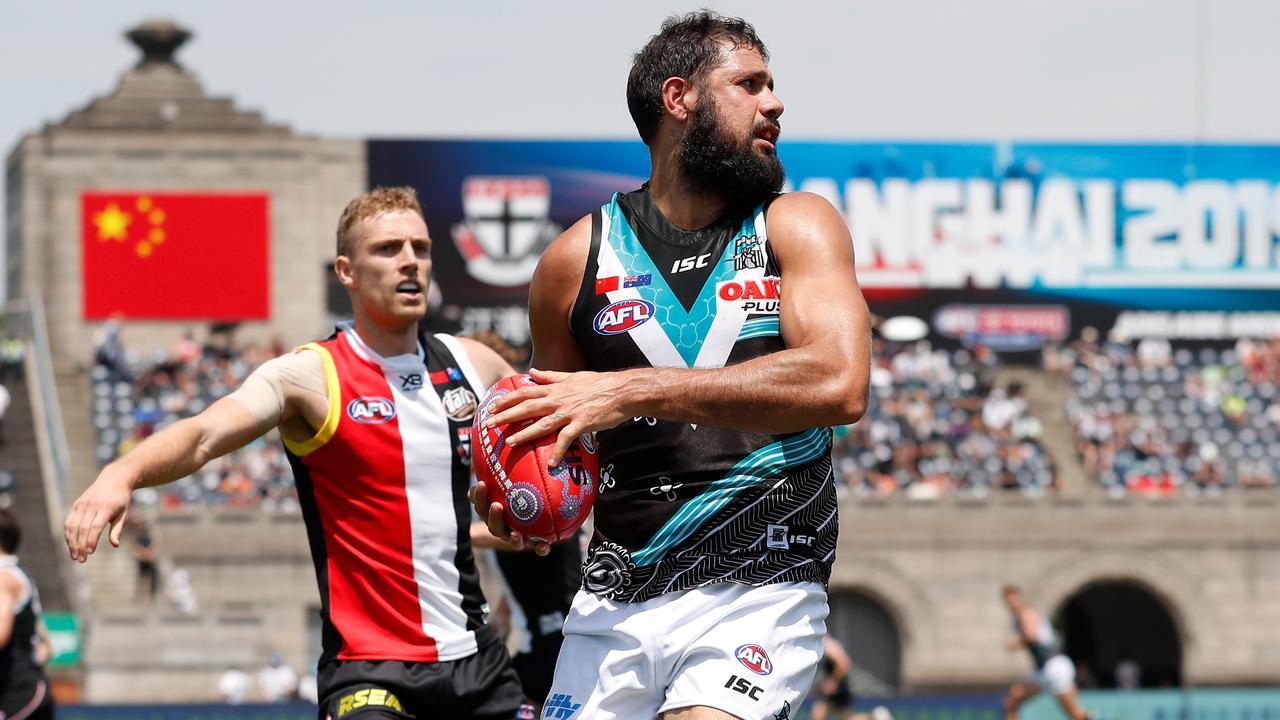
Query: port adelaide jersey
[683,505]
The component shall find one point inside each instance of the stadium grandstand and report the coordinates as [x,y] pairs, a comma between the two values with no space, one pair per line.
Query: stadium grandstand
[1115,458]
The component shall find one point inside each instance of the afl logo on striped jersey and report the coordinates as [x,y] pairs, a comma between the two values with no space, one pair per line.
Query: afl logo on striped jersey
[622,316]
[371,410]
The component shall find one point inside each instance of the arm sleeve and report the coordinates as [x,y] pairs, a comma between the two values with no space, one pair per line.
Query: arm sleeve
[263,393]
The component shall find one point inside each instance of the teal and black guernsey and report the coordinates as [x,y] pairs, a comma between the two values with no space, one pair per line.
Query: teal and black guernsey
[1044,647]
[683,505]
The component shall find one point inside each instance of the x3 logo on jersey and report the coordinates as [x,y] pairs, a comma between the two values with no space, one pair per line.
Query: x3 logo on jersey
[411,382]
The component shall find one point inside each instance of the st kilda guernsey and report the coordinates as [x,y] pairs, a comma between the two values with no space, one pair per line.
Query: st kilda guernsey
[683,506]
[383,488]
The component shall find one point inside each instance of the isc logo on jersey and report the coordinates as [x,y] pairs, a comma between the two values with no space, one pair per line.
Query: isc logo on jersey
[754,658]
[623,316]
[761,295]
[371,410]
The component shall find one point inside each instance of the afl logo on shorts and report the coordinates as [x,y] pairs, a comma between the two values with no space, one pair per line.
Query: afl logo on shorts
[459,404]
[755,659]
[371,410]
[623,316]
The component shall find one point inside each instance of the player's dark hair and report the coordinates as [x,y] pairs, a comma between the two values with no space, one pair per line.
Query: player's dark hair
[687,47]
[10,533]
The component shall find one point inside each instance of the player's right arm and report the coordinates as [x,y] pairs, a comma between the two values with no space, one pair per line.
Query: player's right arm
[552,292]
[1029,623]
[281,392]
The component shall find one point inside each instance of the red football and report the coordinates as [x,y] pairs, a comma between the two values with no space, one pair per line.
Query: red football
[541,503]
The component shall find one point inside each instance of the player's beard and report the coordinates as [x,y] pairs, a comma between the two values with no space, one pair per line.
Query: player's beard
[717,164]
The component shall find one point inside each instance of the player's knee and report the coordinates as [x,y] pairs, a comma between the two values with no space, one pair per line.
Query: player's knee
[1013,699]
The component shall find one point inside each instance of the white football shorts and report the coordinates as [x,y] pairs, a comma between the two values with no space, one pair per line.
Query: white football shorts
[1057,676]
[749,651]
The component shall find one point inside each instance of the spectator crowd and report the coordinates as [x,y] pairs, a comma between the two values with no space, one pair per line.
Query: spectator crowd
[134,397]
[1152,419]
[1148,418]
[937,424]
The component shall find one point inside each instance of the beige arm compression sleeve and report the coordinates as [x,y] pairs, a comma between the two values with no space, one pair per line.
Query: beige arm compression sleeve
[264,391]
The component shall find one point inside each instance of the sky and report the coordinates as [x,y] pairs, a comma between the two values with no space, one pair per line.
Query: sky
[1114,70]
[900,69]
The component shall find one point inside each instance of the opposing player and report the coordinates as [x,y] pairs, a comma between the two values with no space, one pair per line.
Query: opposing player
[24,644]
[375,422]
[1054,671]
[711,330]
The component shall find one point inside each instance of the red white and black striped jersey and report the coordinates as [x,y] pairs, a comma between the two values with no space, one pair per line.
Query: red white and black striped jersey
[383,488]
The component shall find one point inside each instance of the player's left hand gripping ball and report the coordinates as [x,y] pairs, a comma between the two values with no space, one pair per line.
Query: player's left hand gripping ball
[542,504]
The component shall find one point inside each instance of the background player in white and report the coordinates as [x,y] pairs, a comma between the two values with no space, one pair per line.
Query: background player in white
[383,261]
[702,96]
[1054,672]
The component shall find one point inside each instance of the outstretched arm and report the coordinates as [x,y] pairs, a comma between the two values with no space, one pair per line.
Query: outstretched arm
[821,377]
[1029,621]
[273,394]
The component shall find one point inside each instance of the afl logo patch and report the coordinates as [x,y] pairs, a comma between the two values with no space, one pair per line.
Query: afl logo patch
[459,404]
[371,410]
[754,658]
[623,316]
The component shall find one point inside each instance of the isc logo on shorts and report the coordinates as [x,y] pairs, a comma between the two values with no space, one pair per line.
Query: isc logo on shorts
[371,410]
[754,658]
[623,316]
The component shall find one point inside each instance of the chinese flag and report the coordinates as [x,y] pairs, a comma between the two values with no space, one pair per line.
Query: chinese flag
[180,256]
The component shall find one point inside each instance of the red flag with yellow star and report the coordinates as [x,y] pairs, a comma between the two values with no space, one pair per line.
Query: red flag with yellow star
[175,256]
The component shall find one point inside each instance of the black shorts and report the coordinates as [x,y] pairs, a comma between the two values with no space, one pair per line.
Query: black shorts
[482,686]
[27,700]
[537,667]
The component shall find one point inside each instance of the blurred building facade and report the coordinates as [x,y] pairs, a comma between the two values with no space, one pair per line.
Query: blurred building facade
[159,130]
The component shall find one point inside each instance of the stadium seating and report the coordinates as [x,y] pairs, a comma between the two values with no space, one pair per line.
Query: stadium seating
[936,424]
[1188,420]
[133,399]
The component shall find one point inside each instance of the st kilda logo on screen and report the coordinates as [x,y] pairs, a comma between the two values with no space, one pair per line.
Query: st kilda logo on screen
[505,227]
